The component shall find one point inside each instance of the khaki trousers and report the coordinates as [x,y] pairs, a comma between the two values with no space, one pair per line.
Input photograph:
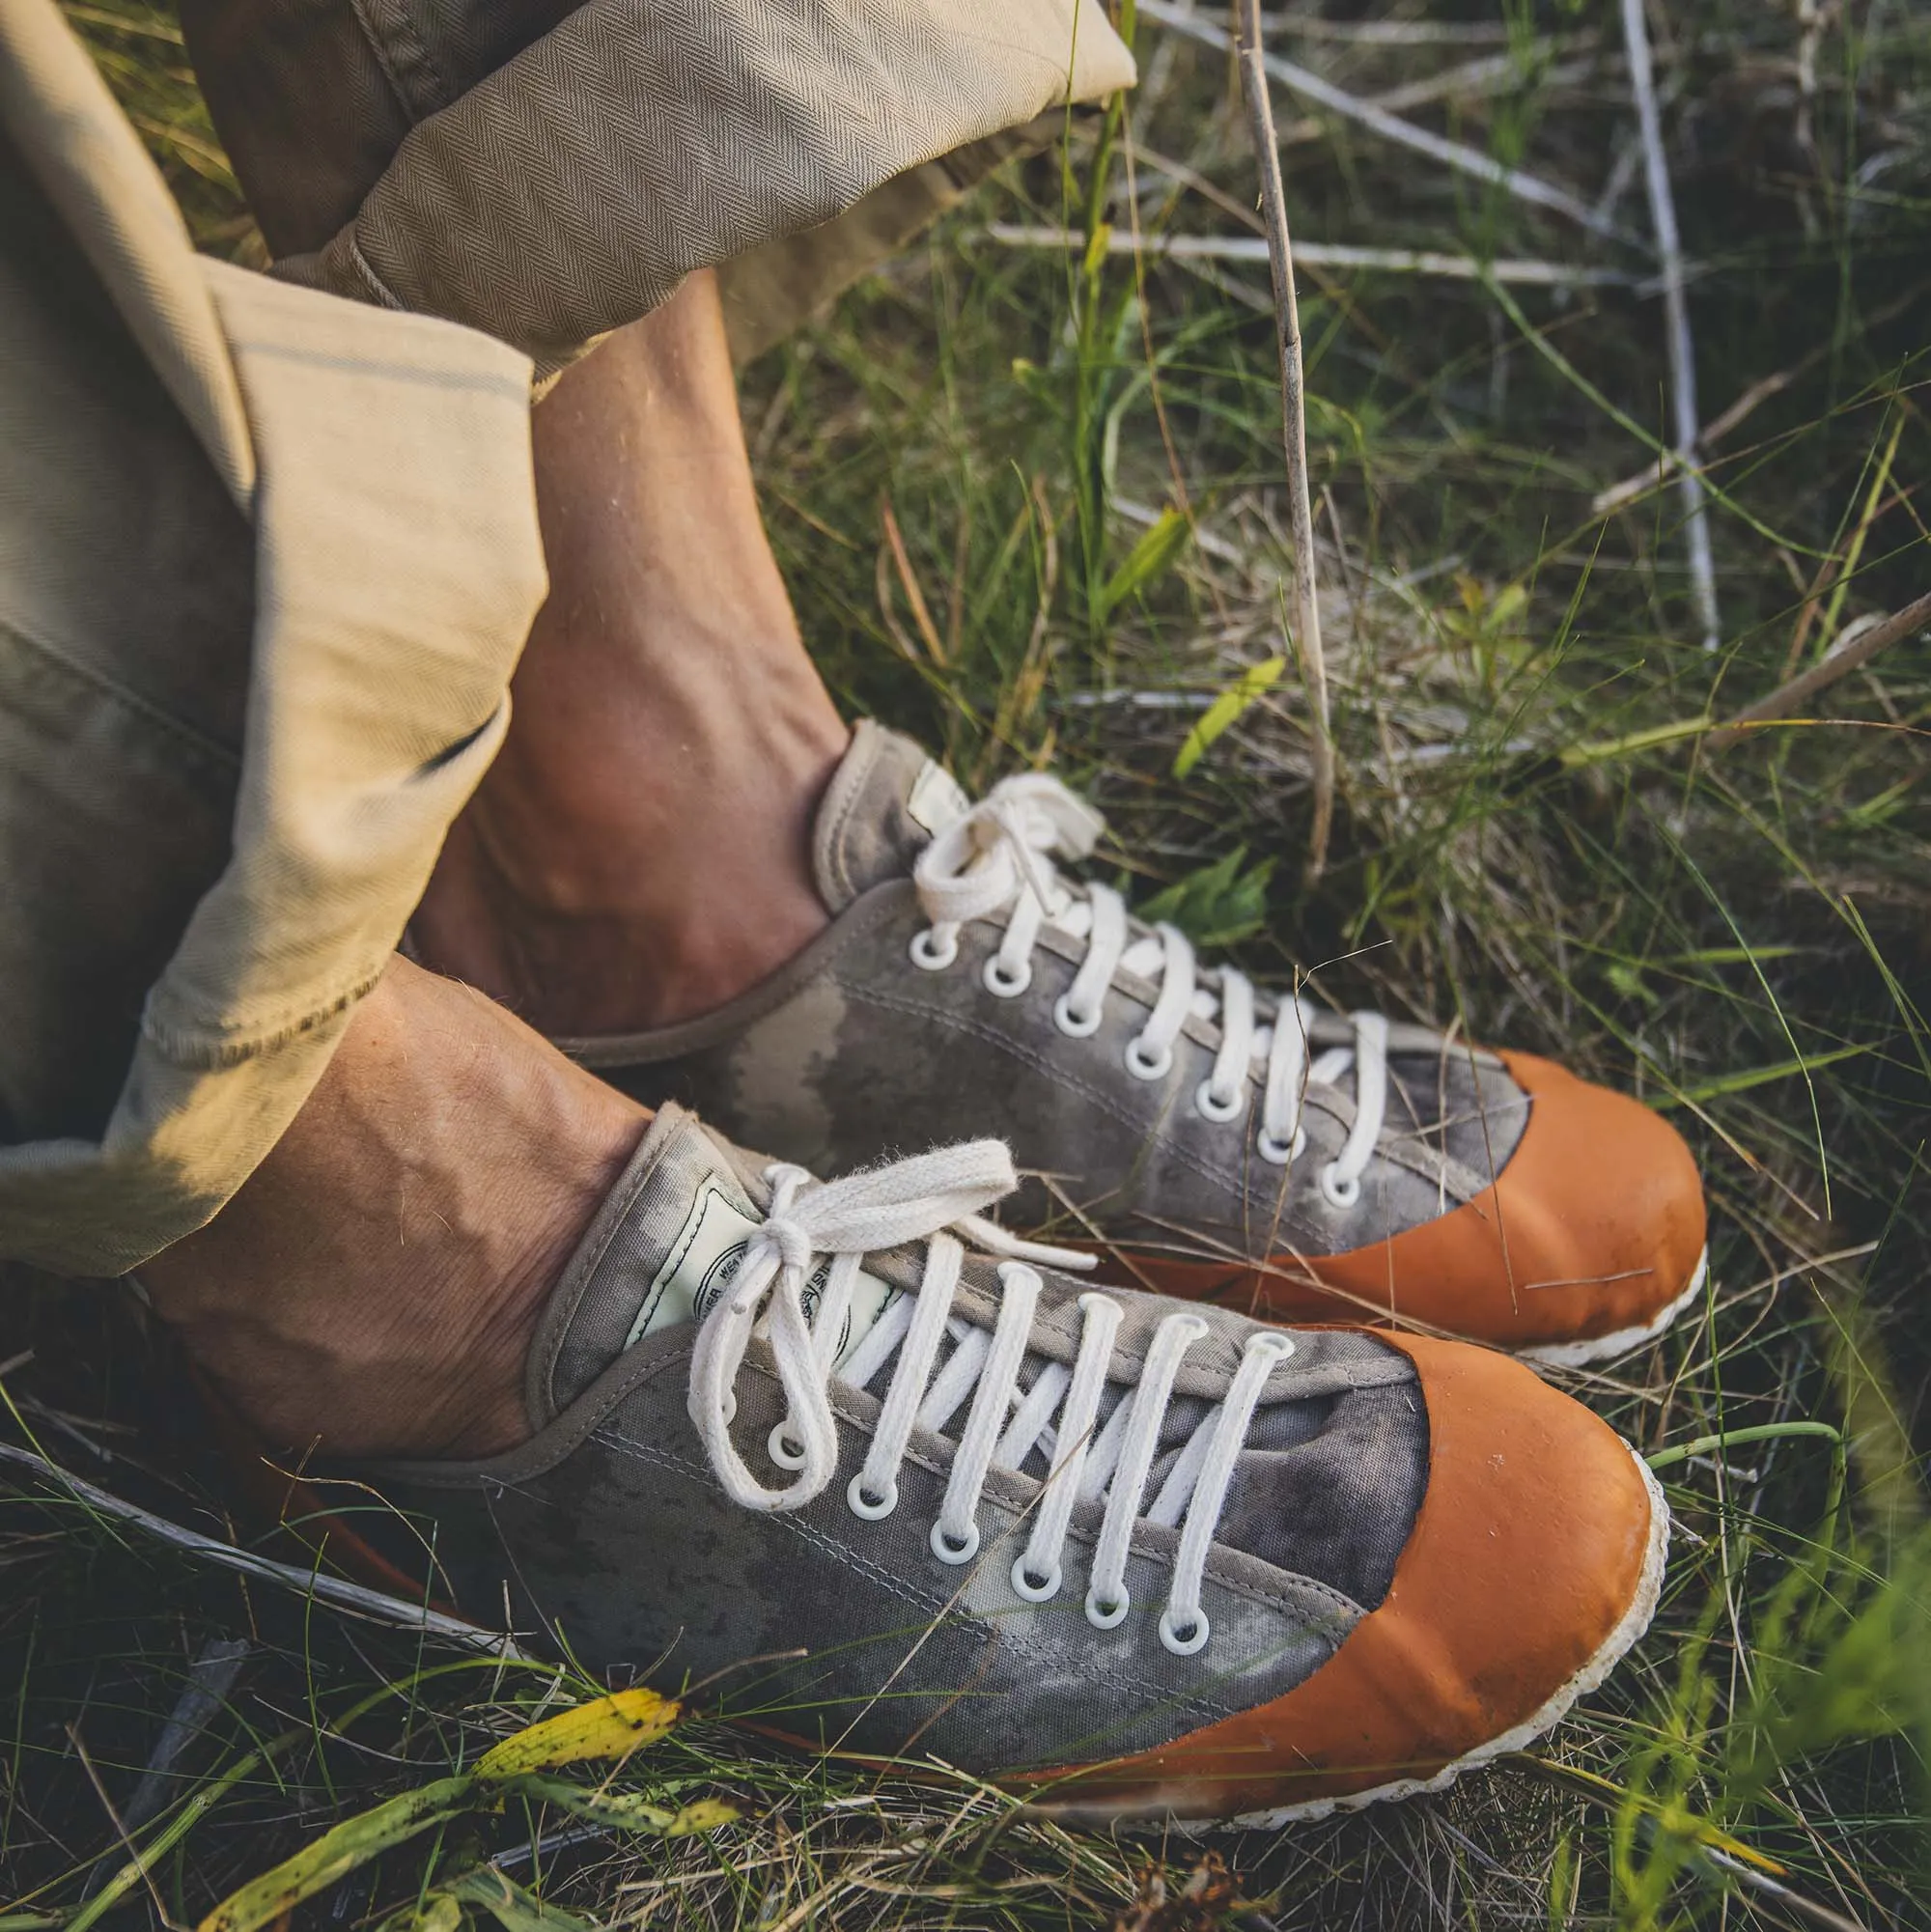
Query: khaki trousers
[268,556]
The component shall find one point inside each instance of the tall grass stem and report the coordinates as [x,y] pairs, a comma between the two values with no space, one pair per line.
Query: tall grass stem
[1294,430]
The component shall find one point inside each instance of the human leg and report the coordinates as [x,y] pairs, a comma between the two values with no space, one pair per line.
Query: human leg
[638,853]
[373,1287]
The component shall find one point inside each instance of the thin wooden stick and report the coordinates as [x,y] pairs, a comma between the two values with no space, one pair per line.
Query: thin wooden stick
[1294,426]
[1676,317]
[1857,648]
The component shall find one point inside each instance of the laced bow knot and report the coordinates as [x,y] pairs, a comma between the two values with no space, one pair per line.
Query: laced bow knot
[922,1198]
[784,1237]
[996,859]
[1004,845]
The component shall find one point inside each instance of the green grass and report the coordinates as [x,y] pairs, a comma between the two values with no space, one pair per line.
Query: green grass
[1530,843]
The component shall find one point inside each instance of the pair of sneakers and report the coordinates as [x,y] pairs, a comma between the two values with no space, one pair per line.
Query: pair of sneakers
[1134,1550]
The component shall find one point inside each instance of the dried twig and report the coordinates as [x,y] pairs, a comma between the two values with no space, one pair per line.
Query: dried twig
[1294,426]
[1320,254]
[1490,74]
[1758,393]
[1858,646]
[375,1605]
[1455,154]
[1676,319]
[1707,438]
[1472,80]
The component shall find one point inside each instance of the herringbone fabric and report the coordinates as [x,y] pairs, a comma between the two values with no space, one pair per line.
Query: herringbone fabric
[570,189]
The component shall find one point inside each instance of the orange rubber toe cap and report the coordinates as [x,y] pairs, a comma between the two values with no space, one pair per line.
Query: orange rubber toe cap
[1533,1564]
[1589,1241]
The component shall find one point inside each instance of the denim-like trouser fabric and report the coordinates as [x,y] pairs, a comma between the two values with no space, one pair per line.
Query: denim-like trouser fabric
[268,555]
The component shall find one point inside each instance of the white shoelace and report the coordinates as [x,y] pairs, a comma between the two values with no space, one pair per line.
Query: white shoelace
[936,1198]
[997,858]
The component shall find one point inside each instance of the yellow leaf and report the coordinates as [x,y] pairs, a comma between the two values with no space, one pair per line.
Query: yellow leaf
[1224,710]
[340,1850]
[623,1812]
[612,1727]
[706,1814]
[439,1911]
[1509,603]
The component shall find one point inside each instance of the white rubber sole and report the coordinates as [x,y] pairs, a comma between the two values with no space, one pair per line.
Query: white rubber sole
[1635,1619]
[1601,1347]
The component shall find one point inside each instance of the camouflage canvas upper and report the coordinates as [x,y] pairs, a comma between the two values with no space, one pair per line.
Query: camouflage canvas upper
[853,1050]
[610,1532]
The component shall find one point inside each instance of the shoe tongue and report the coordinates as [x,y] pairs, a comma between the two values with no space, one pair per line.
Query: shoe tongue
[885,800]
[668,1238]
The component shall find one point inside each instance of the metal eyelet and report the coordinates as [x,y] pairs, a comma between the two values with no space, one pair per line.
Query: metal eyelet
[996,981]
[1076,1025]
[1145,1066]
[870,1508]
[1209,1106]
[1194,1640]
[925,951]
[1278,1153]
[1108,1617]
[955,1552]
[1034,1592]
[781,1451]
[1339,1193]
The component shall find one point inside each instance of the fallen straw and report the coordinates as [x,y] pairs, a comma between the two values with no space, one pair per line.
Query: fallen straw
[1319,254]
[1294,428]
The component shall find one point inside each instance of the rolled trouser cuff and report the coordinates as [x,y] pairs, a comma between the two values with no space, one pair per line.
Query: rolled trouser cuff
[569,190]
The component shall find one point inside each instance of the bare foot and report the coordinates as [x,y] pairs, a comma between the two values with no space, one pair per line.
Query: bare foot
[639,852]
[374,1287]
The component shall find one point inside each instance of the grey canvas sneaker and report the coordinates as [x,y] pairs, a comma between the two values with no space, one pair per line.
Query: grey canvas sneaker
[1214,1140]
[1131,1557]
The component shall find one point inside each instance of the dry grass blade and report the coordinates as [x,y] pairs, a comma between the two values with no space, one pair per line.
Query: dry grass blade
[1294,431]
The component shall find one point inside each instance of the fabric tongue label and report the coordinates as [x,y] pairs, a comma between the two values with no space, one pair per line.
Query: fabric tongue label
[936,799]
[709,1250]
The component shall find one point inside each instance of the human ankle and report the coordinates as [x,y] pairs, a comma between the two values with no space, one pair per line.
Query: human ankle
[640,851]
[374,1287]
[591,905]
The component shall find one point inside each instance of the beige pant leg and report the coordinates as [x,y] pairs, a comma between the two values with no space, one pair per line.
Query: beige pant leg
[549,171]
[356,485]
